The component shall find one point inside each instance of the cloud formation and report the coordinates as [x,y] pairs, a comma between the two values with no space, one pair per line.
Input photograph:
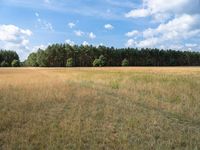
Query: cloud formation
[43,24]
[179,21]
[14,38]
[12,33]
[132,33]
[108,26]
[42,46]
[70,42]
[85,43]
[71,25]
[92,35]
[163,7]
[79,33]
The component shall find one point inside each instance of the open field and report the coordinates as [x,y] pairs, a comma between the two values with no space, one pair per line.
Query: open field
[100,108]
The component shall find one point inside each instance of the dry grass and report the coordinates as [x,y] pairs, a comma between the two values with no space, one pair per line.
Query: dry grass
[100,108]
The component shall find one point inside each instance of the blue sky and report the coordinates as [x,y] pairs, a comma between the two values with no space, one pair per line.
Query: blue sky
[26,25]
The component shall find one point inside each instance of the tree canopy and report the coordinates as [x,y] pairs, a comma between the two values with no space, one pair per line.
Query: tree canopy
[7,57]
[60,55]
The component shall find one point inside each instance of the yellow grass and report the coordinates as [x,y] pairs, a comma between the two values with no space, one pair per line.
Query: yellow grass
[100,108]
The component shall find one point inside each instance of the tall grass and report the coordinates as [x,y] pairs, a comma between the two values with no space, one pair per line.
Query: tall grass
[100,108]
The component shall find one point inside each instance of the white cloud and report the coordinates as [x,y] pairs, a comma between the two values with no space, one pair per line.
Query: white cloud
[71,24]
[85,43]
[47,26]
[191,45]
[79,33]
[176,30]
[92,35]
[155,7]
[108,26]
[101,44]
[43,24]
[35,48]
[14,34]
[15,38]
[137,13]
[132,33]
[179,22]
[70,42]
[150,43]
[161,17]
[130,43]
[183,27]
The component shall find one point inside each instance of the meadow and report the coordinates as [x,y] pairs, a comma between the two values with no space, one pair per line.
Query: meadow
[100,108]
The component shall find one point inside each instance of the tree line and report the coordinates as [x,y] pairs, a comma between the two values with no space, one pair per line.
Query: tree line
[61,55]
[65,55]
[9,59]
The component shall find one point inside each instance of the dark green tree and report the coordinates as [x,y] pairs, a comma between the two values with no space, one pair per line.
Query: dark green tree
[7,56]
[42,59]
[86,56]
[32,60]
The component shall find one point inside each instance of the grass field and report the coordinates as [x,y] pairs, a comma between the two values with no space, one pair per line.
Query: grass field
[100,108]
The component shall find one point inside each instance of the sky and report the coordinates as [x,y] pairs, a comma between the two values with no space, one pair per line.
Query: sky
[26,25]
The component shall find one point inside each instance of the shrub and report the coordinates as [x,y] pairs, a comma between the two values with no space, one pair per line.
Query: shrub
[4,64]
[96,63]
[125,62]
[100,62]
[69,62]
[15,63]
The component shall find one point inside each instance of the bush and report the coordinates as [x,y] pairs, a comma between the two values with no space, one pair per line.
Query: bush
[100,62]
[4,64]
[15,63]
[96,63]
[69,62]
[125,62]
